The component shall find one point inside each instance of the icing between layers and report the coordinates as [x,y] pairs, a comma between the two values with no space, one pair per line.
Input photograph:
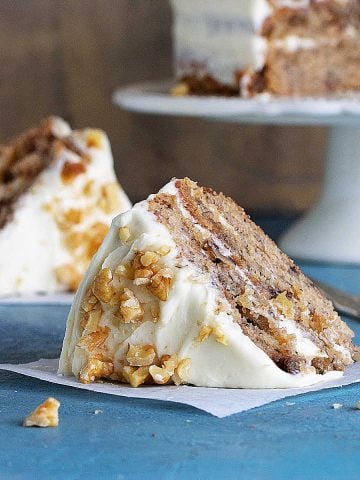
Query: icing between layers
[224,358]
[32,244]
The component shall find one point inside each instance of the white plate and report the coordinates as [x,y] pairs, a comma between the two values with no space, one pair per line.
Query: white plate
[155,98]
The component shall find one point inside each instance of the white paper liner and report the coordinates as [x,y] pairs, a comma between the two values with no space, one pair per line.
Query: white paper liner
[219,402]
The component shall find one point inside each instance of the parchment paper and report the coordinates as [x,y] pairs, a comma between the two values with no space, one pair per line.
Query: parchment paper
[219,402]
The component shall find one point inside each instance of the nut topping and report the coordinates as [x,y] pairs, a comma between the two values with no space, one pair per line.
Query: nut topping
[130,308]
[140,355]
[101,287]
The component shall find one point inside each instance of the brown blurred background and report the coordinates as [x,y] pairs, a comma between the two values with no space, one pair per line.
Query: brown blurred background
[66,57]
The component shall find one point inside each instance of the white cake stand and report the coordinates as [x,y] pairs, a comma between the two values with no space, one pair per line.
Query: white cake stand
[331,230]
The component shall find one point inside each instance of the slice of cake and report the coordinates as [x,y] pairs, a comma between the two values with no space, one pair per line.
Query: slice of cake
[58,194]
[187,289]
[284,47]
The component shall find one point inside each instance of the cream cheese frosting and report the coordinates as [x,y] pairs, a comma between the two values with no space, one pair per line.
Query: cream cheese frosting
[219,41]
[56,220]
[193,323]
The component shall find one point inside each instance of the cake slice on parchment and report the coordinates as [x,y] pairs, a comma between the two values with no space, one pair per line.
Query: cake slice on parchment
[58,194]
[187,289]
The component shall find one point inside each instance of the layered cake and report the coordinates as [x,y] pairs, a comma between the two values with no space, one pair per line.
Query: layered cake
[284,47]
[58,194]
[186,289]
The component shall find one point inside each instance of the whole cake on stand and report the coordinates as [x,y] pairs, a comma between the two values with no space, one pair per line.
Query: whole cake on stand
[296,47]
[284,63]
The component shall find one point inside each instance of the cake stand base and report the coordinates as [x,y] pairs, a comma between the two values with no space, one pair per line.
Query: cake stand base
[331,230]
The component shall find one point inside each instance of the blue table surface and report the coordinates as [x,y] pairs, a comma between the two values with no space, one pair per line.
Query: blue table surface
[297,438]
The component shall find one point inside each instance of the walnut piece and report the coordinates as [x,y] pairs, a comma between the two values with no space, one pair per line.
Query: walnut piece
[135,376]
[162,375]
[181,89]
[94,138]
[182,371]
[45,415]
[148,258]
[94,341]
[92,319]
[142,276]
[95,368]
[130,309]
[207,330]
[140,355]
[101,287]
[160,284]
[71,170]
[124,234]
[109,200]
[68,276]
[204,333]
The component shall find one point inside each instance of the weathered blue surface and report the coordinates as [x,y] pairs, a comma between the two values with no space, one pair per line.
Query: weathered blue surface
[141,439]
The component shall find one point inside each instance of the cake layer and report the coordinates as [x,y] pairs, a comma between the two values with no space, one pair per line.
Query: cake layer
[58,194]
[185,288]
[267,46]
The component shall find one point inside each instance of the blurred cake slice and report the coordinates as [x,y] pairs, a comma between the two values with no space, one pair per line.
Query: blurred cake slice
[187,289]
[58,194]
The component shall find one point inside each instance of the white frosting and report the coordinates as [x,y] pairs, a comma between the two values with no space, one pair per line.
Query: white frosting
[222,38]
[191,305]
[219,40]
[31,244]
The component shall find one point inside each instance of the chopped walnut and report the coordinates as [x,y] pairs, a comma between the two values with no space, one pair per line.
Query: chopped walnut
[94,138]
[71,170]
[142,276]
[94,341]
[182,371]
[124,271]
[148,258]
[45,415]
[109,200]
[102,288]
[89,302]
[130,308]
[219,335]
[68,276]
[95,368]
[92,320]
[181,89]
[204,333]
[160,284]
[73,240]
[95,236]
[140,355]
[124,234]
[70,217]
[162,375]
[89,188]
[135,376]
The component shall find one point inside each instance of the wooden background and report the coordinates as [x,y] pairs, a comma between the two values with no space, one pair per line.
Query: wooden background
[66,57]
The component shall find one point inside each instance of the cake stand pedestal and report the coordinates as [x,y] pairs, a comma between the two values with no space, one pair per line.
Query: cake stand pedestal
[330,231]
